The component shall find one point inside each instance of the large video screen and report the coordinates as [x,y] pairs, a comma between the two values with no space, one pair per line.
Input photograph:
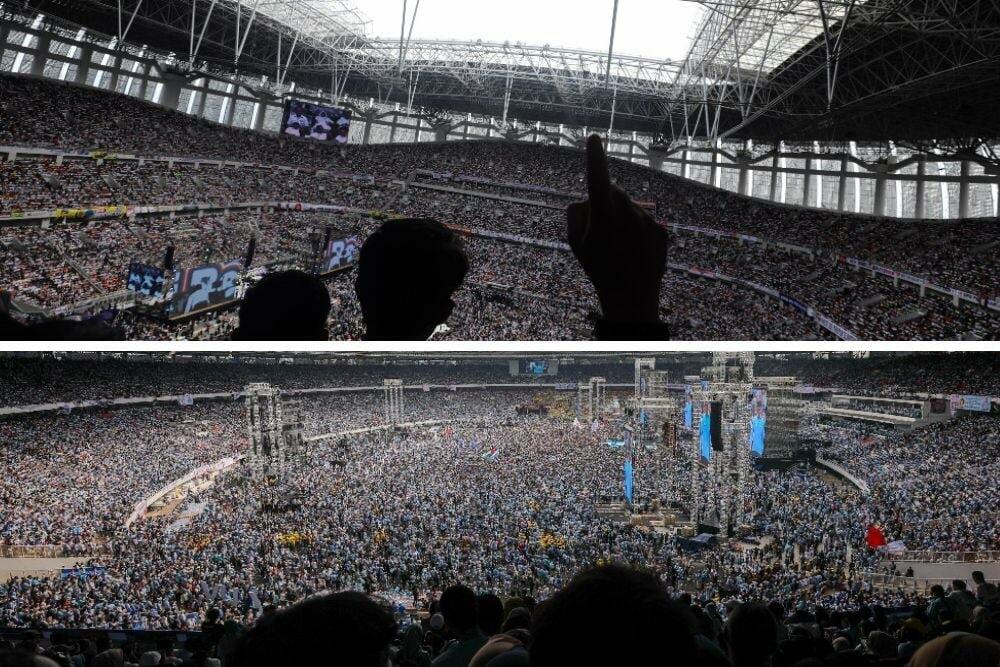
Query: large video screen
[312,121]
[705,431]
[340,254]
[534,367]
[204,287]
[758,421]
[145,279]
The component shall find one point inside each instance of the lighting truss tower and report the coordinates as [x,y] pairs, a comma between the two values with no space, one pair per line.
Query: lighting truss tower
[264,426]
[721,486]
[593,405]
[661,407]
[291,431]
[393,394]
[642,364]
[597,396]
[786,413]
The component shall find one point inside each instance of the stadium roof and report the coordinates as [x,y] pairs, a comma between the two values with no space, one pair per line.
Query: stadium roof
[797,70]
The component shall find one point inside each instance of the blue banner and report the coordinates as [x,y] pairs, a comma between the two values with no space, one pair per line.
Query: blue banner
[757,435]
[758,421]
[705,433]
[627,468]
[688,408]
[967,402]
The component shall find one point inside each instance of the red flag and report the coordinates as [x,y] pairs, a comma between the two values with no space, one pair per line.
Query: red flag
[875,537]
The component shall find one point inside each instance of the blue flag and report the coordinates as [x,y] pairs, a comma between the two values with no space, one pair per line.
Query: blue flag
[628,480]
[757,426]
[705,432]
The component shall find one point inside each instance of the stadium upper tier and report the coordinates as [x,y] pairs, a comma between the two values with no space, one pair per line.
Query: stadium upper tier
[792,70]
[853,275]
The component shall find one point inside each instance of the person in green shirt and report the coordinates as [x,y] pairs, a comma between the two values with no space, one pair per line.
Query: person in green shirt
[459,608]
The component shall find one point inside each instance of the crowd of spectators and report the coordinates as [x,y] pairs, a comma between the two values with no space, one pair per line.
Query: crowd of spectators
[34,379]
[56,268]
[72,478]
[37,379]
[896,375]
[912,410]
[934,488]
[506,503]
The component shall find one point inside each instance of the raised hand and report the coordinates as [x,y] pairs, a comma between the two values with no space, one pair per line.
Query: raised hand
[622,249]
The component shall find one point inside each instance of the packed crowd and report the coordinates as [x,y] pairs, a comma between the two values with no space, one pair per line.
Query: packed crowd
[71,479]
[912,410]
[934,488]
[901,374]
[509,501]
[609,614]
[60,268]
[34,379]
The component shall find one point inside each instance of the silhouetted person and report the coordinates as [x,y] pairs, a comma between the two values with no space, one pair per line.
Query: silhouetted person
[490,613]
[751,635]
[407,273]
[291,305]
[957,649]
[622,250]
[336,629]
[459,608]
[612,615]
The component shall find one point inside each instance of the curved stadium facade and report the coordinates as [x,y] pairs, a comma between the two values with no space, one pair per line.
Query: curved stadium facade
[875,178]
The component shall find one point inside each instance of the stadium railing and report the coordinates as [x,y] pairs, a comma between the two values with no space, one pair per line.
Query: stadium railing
[45,551]
[947,557]
[910,584]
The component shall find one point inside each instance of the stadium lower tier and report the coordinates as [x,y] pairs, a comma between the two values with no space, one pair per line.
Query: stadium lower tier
[943,284]
[505,502]
[528,288]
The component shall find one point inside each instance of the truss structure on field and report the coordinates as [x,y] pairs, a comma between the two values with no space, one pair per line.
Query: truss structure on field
[719,489]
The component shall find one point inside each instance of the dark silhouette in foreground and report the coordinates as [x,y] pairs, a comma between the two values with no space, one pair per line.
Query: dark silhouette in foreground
[407,274]
[291,305]
[622,250]
[335,629]
[606,615]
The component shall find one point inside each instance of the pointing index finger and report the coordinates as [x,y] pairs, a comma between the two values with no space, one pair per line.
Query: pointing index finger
[598,179]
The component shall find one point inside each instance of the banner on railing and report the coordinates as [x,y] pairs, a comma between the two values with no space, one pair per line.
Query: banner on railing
[972,403]
[93,213]
[834,328]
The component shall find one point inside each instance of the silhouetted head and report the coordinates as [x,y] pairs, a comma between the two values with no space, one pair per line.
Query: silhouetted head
[407,273]
[291,305]
[490,613]
[957,649]
[752,635]
[612,615]
[337,629]
[459,608]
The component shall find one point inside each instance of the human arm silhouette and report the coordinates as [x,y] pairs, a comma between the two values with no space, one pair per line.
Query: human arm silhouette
[623,252]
